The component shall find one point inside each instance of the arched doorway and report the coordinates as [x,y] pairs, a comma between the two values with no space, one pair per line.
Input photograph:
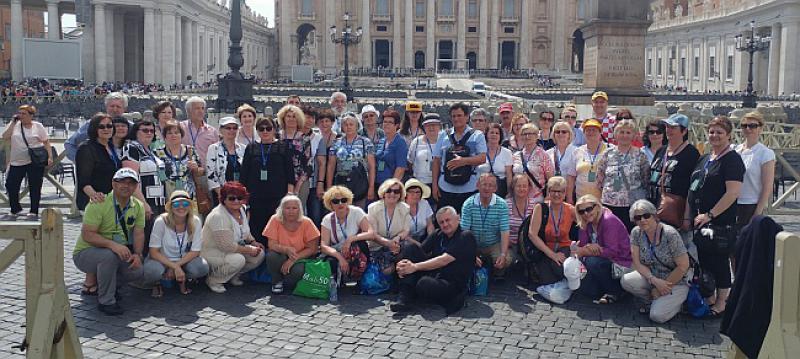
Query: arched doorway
[306,45]
[577,51]
[419,60]
[445,53]
[383,55]
[472,59]
[508,52]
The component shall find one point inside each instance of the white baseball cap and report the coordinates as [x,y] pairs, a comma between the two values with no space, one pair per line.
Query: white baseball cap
[574,271]
[124,173]
[227,121]
[370,108]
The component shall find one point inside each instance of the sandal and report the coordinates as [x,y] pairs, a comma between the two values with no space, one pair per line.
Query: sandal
[157,292]
[606,299]
[645,309]
[714,314]
[185,289]
[89,289]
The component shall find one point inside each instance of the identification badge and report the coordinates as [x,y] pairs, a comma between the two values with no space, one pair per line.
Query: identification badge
[155,191]
[236,176]
[381,166]
[654,177]
[592,176]
[695,185]
[617,184]
[162,176]
[119,238]
[179,185]
[264,175]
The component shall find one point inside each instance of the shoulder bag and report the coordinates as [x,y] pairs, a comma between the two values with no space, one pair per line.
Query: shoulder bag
[38,155]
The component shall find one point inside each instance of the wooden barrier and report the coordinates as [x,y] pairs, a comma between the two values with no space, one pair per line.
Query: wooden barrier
[50,328]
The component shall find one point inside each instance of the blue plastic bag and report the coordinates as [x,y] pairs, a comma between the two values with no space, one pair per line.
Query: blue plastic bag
[695,303]
[259,275]
[479,285]
[373,281]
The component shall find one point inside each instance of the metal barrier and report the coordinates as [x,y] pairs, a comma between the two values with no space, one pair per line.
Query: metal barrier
[50,328]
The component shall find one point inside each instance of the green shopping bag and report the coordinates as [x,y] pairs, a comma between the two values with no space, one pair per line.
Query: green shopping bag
[316,279]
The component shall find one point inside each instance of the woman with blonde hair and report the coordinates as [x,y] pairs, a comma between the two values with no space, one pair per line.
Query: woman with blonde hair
[759,164]
[175,245]
[247,118]
[563,156]
[344,234]
[391,220]
[291,120]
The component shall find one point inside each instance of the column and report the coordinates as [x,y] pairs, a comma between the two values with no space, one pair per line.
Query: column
[789,33]
[561,60]
[366,39]
[397,44]
[285,31]
[721,60]
[100,63]
[110,39]
[525,36]
[186,49]
[195,49]
[53,20]
[461,44]
[774,60]
[87,55]
[408,47]
[149,46]
[16,40]
[120,45]
[178,49]
[430,35]
[483,50]
[331,15]
[168,48]
[494,26]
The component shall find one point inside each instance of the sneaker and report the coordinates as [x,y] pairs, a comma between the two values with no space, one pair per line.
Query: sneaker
[8,217]
[215,287]
[277,288]
[30,217]
[110,309]
[403,304]
[236,281]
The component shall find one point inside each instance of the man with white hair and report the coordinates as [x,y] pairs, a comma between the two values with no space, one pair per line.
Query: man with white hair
[116,105]
[339,107]
[197,132]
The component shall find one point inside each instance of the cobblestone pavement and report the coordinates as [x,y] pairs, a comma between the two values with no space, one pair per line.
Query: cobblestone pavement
[249,322]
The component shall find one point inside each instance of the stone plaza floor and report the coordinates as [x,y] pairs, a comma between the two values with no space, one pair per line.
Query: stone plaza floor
[249,322]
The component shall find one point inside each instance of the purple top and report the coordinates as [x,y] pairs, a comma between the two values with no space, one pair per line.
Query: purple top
[612,236]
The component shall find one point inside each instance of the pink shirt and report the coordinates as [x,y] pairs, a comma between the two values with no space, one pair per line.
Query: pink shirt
[36,136]
[199,139]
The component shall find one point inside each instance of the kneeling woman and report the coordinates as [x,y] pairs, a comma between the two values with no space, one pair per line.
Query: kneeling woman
[291,236]
[228,246]
[175,245]
[344,234]
[661,262]
[603,245]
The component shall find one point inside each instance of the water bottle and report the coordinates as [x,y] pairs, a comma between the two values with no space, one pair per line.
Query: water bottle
[333,296]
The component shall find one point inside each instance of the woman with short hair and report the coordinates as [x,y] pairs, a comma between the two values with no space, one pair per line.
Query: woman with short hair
[390,219]
[291,120]
[344,234]
[291,237]
[654,138]
[181,162]
[352,157]
[247,131]
[96,162]
[163,112]
[499,160]
[391,150]
[563,156]
[515,142]
[532,161]
[759,164]
[419,209]
[224,158]
[587,159]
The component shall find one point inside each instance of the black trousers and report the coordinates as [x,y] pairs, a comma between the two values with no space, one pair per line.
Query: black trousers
[260,212]
[624,214]
[426,286]
[456,200]
[14,182]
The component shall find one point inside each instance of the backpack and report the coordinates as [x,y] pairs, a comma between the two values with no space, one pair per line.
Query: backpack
[461,175]
[527,251]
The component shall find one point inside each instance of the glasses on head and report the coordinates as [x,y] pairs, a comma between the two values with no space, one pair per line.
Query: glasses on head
[147,130]
[181,203]
[105,127]
[234,198]
[232,128]
[751,126]
[561,132]
[340,201]
[640,217]
[654,132]
[586,210]
[394,190]
[264,128]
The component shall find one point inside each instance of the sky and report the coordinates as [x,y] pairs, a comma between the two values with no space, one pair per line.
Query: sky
[263,7]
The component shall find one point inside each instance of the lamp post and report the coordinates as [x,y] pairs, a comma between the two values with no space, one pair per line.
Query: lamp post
[752,44]
[347,37]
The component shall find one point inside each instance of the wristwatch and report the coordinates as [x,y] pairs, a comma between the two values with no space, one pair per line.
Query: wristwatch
[710,215]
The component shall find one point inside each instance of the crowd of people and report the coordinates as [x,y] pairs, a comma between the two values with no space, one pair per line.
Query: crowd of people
[587,205]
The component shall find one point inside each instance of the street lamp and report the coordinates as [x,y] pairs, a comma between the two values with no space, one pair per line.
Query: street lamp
[346,38]
[752,44]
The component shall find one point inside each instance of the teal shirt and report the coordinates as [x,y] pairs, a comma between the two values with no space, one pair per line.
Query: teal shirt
[486,223]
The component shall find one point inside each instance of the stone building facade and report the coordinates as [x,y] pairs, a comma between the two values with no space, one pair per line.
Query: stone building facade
[32,26]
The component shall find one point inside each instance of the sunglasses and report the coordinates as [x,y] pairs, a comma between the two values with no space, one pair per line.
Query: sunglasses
[264,129]
[548,119]
[147,130]
[559,191]
[640,217]
[233,128]
[586,210]
[751,126]
[571,117]
[234,198]
[395,191]
[105,127]
[528,134]
[340,200]
[181,203]
[561,132]
[654,132]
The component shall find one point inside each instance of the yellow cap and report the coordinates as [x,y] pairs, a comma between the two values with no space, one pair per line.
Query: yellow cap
[592,123]
[414,106]
[600,94]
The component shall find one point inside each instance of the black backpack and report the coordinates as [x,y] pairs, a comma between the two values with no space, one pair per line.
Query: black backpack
[461,175]
[527,251]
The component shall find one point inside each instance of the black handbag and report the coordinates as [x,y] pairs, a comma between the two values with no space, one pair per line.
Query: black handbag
[356,181]
[38,155]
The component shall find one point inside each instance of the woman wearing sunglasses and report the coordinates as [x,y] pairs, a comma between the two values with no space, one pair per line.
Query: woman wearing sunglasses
[224,159]
[228,246]
[563,156]
[602,244]
[175,246]
[268,175]
[344,234]
[137,156]
[759,164]
[654,138]
[660,261]
[181,162]
[390,218]
[291,236]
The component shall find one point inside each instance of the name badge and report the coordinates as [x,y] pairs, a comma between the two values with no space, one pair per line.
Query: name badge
[179,185]
[592,176]
[695,185]
[381,166]
[162,176]
[119,238]
[155,191]
[654,177]
[264,175]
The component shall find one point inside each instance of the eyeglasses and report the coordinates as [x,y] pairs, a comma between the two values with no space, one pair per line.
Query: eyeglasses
[640,217]
[548,119]
[586,210]
[751,126]
[561,132]
[264,129]
[654,132]
[234,198]
[571,117]
[555,191]
[181,203]
[339,201]
[528,134]
[147,130]
[105,127]
[395,191]
[478,120]
[232,128]
[414,191]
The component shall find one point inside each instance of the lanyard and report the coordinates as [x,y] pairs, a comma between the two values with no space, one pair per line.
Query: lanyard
[264,159]
[483,216]
[557,223]
[193,136]
[650,246]
[516,208]
[120,220]
[113,154]
[596,151]
[248,138]
[174,160]
[179,239]
[414,217]
[711,162]
[592,234]
[491,160]
[558,156]
[349,148]
[229,156]
[388,220]
[341,226]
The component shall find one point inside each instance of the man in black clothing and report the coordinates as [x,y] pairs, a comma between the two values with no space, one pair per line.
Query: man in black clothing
[439,271]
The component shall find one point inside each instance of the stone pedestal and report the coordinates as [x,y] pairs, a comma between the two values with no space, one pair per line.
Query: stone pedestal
[234,93]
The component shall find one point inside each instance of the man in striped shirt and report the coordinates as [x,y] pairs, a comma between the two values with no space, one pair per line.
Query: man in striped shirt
[486,215]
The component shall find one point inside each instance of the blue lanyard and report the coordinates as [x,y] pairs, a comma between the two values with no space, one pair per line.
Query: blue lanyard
[711,162]
[249,140]
[523,214]
[650,246]
[557,224]
[113,154]
[341,226]
[120,215]
[558,156]
[264,159]
[180,238]
[414,217]
[483,216]
[230,156]
[174,160]
[388,220]
[491,160]
[193,136]
[596,151]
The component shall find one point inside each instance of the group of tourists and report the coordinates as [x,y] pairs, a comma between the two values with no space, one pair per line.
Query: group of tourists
[589,206]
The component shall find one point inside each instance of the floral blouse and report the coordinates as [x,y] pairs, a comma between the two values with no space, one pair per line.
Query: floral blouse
[538,164]
[622,177]
[177,175]
[217,163]
[300,149]
[151,170]
[349,155]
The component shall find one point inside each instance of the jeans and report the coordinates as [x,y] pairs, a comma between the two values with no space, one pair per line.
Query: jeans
[315,209]
[598,280]
[14,181]
[154,270]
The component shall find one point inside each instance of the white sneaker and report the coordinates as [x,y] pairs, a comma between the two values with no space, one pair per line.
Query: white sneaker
[236,281]
[215,287]
[277,288]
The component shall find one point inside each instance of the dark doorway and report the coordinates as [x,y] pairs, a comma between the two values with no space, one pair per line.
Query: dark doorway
[383,55]
[508,51]
[473,61]
[577,51]
[419,60]
[445,53]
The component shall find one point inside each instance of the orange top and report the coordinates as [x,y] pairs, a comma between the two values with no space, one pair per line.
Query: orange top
[566,214]
[307,232]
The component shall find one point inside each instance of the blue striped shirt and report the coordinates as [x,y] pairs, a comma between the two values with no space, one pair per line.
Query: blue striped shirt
[486,223]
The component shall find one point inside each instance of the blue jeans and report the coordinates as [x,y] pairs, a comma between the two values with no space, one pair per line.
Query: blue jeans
[598,280]
[314,206]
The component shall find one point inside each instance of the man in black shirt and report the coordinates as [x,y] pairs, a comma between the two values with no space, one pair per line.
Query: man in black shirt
[438,271]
